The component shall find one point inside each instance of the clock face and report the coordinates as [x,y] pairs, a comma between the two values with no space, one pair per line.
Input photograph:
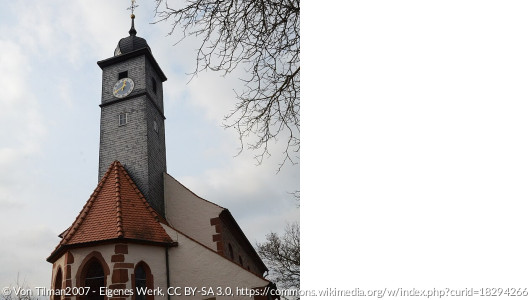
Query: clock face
[123,87]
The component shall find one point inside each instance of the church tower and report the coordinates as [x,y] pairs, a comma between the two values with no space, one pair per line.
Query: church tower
[132,117]
[142,235]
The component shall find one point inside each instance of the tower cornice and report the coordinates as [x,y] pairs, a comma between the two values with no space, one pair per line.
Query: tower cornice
[135,96]
[123,57]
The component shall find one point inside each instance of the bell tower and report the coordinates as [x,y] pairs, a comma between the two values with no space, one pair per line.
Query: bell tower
[132,116]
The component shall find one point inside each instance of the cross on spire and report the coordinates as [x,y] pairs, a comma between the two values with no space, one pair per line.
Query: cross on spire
[132,31]
[133,6]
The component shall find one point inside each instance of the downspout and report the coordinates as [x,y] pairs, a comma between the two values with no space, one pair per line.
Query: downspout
[167,271]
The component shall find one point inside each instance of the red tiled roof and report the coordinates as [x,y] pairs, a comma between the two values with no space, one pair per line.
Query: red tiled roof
[116,209]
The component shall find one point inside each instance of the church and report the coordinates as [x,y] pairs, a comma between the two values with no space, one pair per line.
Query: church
[142,234]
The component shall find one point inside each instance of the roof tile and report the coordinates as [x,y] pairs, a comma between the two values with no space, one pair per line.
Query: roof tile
[116,209]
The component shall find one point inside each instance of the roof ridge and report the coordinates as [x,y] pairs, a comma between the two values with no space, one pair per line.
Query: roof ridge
[83,213]
[117,185]
[139,193]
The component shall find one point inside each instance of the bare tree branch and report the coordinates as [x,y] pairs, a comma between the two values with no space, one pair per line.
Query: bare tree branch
[282,256]
[20,290]
[264,38]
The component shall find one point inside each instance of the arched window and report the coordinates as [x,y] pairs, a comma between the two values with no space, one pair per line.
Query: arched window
[230,251]
[93,272]
[140,281]
[94,277]
[143,279]
[58,285]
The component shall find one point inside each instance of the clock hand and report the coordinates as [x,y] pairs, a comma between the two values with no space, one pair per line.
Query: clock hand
[123,86]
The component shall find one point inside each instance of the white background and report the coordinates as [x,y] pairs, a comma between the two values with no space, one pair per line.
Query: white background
[416,139]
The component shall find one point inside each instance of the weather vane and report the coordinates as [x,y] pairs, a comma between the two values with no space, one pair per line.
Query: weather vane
[133,6]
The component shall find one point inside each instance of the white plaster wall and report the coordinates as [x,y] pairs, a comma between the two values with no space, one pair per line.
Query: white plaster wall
[188,213]
[193,265]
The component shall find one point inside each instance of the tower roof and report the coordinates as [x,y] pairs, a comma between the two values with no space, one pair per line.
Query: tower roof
[115,210]
[132,46]
[132,42]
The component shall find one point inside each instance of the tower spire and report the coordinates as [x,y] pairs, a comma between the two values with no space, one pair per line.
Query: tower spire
[132,31]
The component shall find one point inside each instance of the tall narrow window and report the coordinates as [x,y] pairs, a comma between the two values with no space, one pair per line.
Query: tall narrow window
[153,83]
[155,126]
[140,282]
[122,119]
[94,278]
[230,251]
[58,283]
[123,75]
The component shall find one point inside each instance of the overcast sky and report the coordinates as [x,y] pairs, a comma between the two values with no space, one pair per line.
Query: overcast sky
[49,115]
